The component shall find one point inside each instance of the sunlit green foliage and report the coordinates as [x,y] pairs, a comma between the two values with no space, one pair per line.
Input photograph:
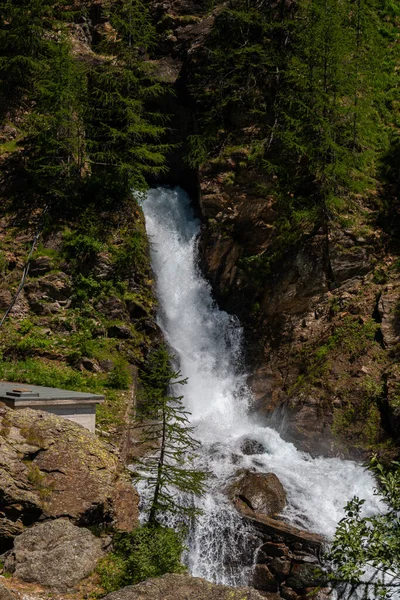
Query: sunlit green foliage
[145,553]
[365,553]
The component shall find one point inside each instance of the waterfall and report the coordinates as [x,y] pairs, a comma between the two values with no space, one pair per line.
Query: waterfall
[207,343]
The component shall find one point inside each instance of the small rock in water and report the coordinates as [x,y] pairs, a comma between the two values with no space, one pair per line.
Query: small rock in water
[250,447]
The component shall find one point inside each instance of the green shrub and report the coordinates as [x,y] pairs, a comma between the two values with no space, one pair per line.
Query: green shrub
[380,276]
[32,342]
[119,378]
[146,552]
[81,247]
[134,251]
[26,326]
[86,287]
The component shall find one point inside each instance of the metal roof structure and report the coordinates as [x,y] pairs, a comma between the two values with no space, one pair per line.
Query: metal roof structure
[21,394]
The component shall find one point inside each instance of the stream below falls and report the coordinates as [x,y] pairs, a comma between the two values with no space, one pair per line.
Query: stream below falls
[207,344]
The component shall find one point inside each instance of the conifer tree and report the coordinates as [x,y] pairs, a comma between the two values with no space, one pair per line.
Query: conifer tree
[55,141]
[37,69]
[165,428]
[123,133]
[26,41]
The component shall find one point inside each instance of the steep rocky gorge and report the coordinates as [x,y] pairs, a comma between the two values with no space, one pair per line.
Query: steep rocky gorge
[319,311]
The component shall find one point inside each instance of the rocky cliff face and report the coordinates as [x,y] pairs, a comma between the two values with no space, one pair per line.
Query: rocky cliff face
[321,327]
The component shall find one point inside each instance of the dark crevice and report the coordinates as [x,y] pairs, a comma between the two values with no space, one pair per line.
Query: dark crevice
[245,501]
[330,276]
[53,471]
[32,455]
[376,314]
[382,403]
[378,318]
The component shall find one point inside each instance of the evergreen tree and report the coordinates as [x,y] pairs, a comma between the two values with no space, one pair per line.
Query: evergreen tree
[166,429]
[123,133]
[26,41]
[37,69]
[55,142]
[314,120]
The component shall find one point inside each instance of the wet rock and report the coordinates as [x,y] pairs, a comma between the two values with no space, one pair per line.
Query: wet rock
[280,568]
[263,579]
[183,587]
[289,594]
[51,467]
[261,493]
[304,575]
[121,332]
[290,567]
[250,447]
[55,554]
[272,549]
[277,530]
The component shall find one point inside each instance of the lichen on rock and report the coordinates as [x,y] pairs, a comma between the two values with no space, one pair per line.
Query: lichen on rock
[51,467]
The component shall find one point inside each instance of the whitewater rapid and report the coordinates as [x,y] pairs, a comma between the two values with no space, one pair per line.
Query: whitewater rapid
[207,344]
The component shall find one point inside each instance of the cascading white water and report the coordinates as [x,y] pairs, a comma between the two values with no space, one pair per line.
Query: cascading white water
[207,343]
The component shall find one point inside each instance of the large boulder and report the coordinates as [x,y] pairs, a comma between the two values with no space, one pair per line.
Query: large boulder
[51,467]
[55,554]
[262,493]
[183,587]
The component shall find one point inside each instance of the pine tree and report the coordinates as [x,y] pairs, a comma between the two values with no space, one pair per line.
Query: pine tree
[39,72]
[26,41]
[123,133]
[166,430]
[55,142]
[328,104]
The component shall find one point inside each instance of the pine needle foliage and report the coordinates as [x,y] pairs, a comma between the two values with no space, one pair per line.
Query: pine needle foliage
[123,133]
[87,128]
[26,41]
[38,70]
[54,143]
[165,426]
